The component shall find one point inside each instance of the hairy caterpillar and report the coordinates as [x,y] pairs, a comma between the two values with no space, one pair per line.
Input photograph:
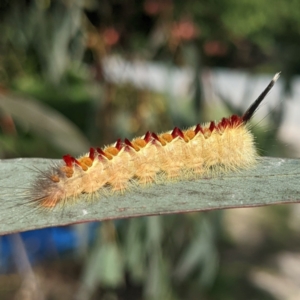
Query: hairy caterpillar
[199,151]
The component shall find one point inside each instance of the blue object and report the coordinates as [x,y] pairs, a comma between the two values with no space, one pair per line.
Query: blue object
[41,244]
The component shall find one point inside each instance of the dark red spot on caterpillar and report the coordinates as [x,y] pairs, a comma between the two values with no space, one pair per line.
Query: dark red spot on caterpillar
[224,122]
[235,120]
[128,143]
[92,154]
[101,152]
[119,144]
[74,160]
[198,129]
[212,126]
[68,160]
[131,145]
[155,136]
[158,139]
[148,136]
[177,132]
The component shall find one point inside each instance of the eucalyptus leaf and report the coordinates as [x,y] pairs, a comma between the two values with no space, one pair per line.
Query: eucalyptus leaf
[272,181]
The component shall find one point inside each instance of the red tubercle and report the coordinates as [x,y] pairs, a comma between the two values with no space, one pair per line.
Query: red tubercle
[232,121]
[129,146]
[155,137]
[128,143]
[74,160]
[177,132]
[148,137]
[92,154]
[224,122]
[101,152]
[68,159]
[198,129]
[102,155]
[212,126]
[119,144]
[235,120]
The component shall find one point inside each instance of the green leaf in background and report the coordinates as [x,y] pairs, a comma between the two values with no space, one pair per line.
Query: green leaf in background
[45,122]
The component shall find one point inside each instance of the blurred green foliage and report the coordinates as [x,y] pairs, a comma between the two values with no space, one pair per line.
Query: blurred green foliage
[53,51]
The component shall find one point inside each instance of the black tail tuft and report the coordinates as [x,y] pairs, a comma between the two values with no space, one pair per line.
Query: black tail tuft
[253,107]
